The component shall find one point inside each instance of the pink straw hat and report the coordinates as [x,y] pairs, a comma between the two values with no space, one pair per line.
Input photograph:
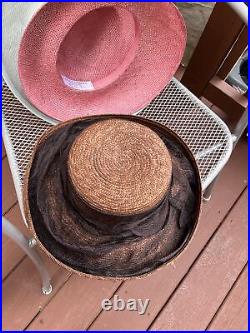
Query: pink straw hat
[85,58]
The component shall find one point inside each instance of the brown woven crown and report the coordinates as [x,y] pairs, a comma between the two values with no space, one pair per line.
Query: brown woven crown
[120,167]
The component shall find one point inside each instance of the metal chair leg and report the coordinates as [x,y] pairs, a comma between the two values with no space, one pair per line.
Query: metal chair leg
[208,191]
[28,247]
[240,127]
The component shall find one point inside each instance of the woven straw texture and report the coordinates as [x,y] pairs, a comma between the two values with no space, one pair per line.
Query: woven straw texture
[96,243]
[120,167]
[90,58]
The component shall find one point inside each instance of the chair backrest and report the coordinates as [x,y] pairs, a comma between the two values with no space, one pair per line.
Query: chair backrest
[223,41]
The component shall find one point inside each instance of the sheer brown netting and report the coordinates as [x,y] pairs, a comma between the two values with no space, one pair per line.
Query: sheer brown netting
[94,242]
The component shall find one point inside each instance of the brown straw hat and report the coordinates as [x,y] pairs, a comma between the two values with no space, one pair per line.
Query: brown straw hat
[112,196]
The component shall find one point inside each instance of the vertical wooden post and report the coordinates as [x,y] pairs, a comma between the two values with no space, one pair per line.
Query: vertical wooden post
[219,36]
[237,50]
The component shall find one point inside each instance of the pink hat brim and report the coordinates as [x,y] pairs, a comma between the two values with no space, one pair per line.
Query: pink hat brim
[162,40]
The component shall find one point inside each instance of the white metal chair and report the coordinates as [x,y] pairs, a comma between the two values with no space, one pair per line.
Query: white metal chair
[204,132]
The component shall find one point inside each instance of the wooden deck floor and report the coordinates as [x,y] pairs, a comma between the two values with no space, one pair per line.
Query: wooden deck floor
[205,289]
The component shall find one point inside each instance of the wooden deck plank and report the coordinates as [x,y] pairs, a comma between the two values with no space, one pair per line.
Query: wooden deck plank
[14,216]
[159,286]
[83,303]
[199,296]
[233,314]
[22,298]
[12,254]
[8,189]
[226,191]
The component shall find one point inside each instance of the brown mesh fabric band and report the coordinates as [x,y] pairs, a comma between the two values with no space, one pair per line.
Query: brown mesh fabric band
[80,240]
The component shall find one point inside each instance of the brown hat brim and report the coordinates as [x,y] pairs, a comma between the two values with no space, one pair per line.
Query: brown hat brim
[75,243]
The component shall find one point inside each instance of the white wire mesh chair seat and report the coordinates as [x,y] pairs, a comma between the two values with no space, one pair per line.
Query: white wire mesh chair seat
[207,136]
[205,133]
